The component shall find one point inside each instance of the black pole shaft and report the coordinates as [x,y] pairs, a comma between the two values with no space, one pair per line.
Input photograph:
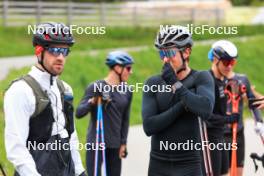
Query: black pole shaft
[2,170]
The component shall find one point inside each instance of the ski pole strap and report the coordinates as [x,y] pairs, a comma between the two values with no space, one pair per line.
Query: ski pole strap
[234,90]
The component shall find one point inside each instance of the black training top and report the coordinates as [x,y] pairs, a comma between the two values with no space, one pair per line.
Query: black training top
[215,124]
[172,118]
[115,113]
[244,80]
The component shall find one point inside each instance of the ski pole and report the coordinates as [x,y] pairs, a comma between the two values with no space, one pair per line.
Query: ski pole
[2,170]
[99,133]
[234,89]
[206,152]
[235,102]
[97,138]
[233,171]
[102,135]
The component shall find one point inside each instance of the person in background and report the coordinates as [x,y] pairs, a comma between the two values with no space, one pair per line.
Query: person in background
[116,113]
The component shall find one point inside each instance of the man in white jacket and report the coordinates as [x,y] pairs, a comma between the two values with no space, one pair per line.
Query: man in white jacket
[40,136]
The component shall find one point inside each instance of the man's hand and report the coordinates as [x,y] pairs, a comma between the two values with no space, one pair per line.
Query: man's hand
[168,74]
[122,151]
[105,97]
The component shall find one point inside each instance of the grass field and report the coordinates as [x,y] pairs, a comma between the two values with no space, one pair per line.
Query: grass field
[17,41]
[81,70]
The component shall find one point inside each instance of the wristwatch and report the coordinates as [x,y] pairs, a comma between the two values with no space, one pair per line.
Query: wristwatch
[176,86]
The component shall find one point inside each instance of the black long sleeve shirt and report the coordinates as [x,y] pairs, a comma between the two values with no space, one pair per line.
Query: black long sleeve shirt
[173,118]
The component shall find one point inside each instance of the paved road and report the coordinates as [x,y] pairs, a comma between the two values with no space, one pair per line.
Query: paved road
[7,64]
[19,62]
[136,163]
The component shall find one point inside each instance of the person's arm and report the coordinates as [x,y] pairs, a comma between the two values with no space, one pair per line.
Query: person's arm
[86,104]
[250,95]
[259,102]
[74,142]
[201,102]
[124,129]
[153,120]
[19,105]
[125,122]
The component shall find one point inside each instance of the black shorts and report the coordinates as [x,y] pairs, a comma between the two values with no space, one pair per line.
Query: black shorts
[170,168]
[240,149]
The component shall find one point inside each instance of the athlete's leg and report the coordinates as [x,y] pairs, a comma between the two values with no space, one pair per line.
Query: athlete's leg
[90,156]
[113,162]
[216,155]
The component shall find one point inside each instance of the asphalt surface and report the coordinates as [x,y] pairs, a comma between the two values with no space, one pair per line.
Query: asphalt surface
[6,64]
[136,163]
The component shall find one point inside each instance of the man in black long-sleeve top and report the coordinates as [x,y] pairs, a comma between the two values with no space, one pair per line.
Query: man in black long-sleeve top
[116,110]
[171,118]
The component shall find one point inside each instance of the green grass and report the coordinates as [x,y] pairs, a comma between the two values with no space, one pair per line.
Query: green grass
[81,70]
[16,41]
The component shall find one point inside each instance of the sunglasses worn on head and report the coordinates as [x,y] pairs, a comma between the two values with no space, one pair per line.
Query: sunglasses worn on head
[57,51]
[169,53]
[231,62]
